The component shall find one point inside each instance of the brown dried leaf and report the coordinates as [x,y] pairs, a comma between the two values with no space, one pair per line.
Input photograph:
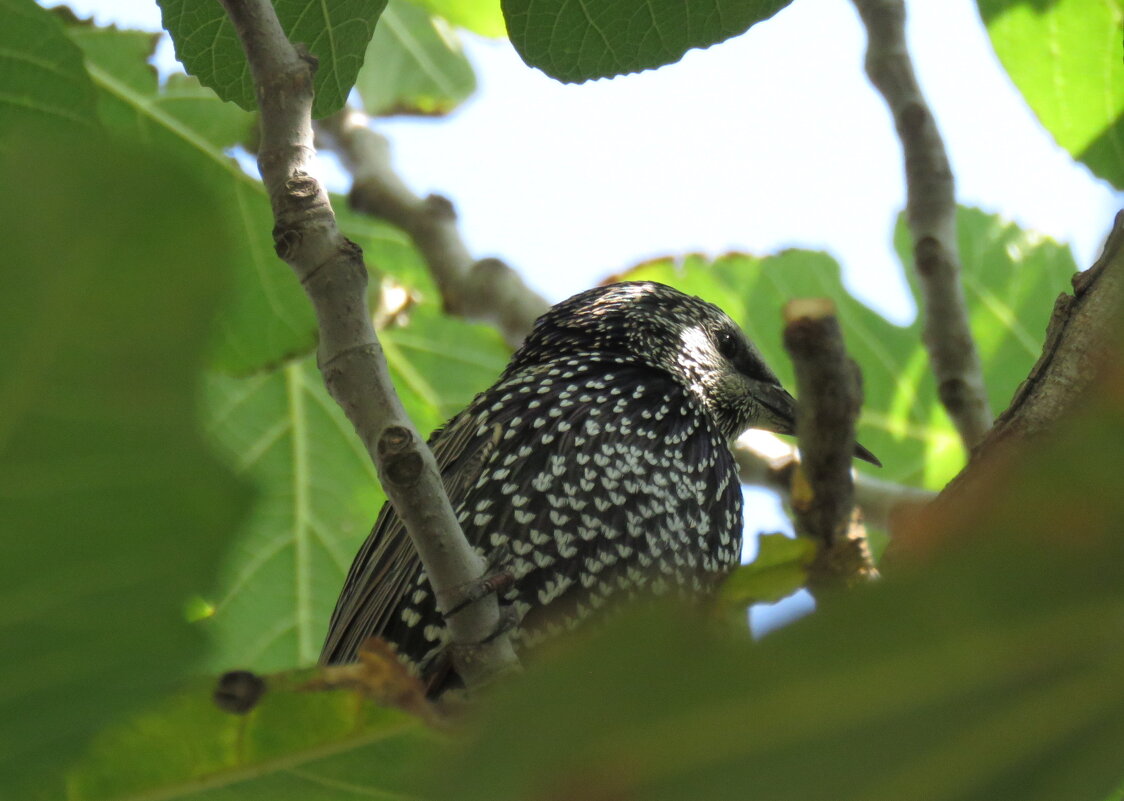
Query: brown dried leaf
[381,676]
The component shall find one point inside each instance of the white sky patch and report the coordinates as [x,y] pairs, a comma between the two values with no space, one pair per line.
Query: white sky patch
[767,444]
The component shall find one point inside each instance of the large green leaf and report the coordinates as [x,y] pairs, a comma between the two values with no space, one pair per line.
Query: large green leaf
[1011,278]
[1067,58]
[414,65]
[575,42]
[318,490]
[294,745]
[112,509]
[44,82]
[130,100]
[266,315]
[899,693]
[336,33]
[318,493]
[989,672]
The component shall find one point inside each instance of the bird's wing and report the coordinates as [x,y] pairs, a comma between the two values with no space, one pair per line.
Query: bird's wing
[387,566]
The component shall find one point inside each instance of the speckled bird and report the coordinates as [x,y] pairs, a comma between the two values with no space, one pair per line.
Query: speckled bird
[597,468]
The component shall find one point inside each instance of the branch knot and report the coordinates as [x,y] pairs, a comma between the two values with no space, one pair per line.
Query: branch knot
[927,255]
[301,186]
[440,207]
[286,240]
[401,461]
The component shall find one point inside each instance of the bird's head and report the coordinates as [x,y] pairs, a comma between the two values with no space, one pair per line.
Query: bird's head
[694,341]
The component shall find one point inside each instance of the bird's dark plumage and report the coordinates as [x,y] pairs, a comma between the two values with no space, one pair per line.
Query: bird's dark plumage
[597,465]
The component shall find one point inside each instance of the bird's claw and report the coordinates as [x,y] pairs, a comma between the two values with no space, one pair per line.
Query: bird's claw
[496,579]
[508,621]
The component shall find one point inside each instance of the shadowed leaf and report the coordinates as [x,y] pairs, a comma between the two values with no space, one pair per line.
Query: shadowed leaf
[112,508]
[576,42]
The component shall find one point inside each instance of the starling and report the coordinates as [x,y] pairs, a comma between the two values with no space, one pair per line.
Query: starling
[597,468]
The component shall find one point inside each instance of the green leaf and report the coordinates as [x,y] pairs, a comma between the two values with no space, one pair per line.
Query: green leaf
[318,492]
[271,604]
[1010,276]
[294,745]
[388,251]
[479,16]
[45,83]
[266,316]
[1067,58]
[439,363]
[111,506]
[336,33]
[317,499]
[575,42]
[414,65]
[987,672]
[181,116]
[777,572]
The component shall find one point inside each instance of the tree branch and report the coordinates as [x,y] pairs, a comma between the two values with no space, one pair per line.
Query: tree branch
[880,501]
[331,270]
[828,388]
[487,290]
[931,214]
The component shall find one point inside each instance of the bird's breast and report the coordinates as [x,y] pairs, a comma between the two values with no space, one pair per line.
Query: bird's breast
[609,481]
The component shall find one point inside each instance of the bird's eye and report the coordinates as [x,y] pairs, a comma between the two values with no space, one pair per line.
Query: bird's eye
[727,342]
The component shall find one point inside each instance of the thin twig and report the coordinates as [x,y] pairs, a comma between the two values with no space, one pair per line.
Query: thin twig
[829,392]
[931,214]
[331,270]
[485,290]
[880,501]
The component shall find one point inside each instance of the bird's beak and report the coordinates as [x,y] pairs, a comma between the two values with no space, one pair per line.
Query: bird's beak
[777,409]
[866,455]
[778,414]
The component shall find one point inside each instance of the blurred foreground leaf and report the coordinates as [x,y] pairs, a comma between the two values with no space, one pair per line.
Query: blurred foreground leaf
[294,744]
[265,316]
[991,671]
[112,509]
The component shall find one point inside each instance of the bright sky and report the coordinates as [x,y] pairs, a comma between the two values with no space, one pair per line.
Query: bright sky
[771,140]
